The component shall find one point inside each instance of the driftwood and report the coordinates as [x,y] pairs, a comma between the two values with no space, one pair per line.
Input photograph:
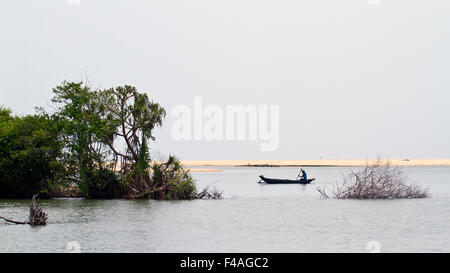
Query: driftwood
[206,193]
[14,222]
[376,181]
[37,216]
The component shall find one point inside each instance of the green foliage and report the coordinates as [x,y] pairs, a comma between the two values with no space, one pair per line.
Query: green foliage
[92,121]
[143,164]
[136,117]
[171,181]
[95,141]
[104,184]
[29,155]
[85,129]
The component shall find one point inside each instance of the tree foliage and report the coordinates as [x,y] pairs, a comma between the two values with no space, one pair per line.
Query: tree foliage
[94,141]
[30,152]
[106,134]
[136,117]
[85,127]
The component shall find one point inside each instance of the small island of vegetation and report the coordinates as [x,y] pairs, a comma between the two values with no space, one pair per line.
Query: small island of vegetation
[92,144]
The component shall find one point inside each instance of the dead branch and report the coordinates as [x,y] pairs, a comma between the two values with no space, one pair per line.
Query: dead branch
[376,181]
[323,192]
[208,193]
[14,222]
[37,216]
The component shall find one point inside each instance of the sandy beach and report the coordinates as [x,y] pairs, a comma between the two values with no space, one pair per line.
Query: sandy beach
[203,170]
[312,163]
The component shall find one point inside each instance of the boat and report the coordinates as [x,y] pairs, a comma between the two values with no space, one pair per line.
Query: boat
[284,181]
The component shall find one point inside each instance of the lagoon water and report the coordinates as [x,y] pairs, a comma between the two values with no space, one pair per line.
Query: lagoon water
[252,218]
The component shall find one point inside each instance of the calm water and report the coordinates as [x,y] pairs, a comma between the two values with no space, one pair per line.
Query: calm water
[252,218]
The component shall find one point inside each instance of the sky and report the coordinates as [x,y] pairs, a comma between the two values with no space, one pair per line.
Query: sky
[351,78]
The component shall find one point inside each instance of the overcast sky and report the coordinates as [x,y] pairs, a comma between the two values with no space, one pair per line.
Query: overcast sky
[352,78]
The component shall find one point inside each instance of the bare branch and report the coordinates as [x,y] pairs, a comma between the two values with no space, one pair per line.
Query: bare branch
[376,181]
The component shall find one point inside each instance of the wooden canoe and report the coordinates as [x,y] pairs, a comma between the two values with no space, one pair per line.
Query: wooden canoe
[285,181]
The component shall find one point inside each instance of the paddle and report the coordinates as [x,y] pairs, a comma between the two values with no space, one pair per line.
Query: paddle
[299,174]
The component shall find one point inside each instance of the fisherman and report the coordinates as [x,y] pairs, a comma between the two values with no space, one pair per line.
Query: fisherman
[304,176]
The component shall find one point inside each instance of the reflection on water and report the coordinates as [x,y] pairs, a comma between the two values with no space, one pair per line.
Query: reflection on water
[252,218]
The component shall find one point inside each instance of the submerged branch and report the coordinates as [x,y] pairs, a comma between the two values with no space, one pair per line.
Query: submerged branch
[206,193]
[15,222]
[37,216]
[376,181]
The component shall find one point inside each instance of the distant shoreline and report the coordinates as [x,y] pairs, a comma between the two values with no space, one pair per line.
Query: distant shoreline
[314,163]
